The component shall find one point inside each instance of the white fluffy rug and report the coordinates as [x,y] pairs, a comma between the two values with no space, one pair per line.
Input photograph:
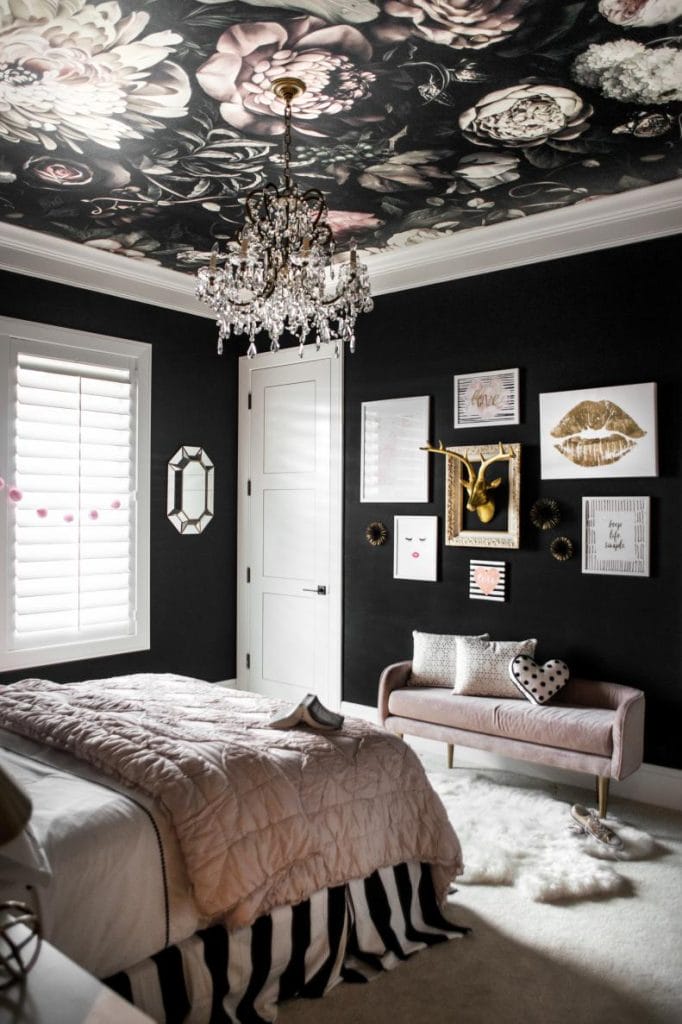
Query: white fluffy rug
[515,836]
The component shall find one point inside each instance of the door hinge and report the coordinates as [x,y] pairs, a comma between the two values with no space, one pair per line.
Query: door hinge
[248,575]
[249,401]
[248,661]
[248,488]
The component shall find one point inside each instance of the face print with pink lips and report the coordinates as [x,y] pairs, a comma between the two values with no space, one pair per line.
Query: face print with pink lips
[415,548]
[416,545]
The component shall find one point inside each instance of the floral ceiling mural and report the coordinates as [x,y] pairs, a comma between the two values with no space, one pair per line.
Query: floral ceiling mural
[139,126]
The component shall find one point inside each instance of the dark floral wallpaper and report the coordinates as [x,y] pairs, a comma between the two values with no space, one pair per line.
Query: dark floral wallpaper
[138,127]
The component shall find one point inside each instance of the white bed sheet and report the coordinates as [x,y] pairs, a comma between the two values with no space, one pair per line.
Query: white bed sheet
[104,903]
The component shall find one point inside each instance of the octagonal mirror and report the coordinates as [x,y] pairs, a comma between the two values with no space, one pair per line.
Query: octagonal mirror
[190,490]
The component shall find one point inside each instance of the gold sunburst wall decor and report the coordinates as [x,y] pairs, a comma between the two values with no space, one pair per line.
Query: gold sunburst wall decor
[545,514]
[562,549]
[376,534]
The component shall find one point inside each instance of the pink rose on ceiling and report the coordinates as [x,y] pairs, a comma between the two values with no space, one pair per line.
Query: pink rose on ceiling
[525,115]
[61,172]
[466,24]
[74,71]
[251,55]
[58,173]
[639,13]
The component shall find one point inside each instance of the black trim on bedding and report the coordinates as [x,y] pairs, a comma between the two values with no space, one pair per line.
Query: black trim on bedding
[261,961]
[176,1002]
[293,976]
[377,899]
[133,800]
[120,983]
[216,942]
[405,892]
[337,915]
[429,904]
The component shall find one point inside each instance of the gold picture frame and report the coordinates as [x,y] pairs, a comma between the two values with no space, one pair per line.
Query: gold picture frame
[455,500]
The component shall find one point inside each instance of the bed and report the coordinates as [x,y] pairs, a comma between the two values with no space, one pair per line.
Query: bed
[208,867]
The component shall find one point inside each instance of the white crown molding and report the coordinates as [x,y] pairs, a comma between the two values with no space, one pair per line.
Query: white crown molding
[634,216]
[82,266]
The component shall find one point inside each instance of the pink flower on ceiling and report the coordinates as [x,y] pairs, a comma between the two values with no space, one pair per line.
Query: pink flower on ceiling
[72,72]
[55,173]
[525,115]
[465,24]
[345,223]
[414,169]
[251,55]
[639,13]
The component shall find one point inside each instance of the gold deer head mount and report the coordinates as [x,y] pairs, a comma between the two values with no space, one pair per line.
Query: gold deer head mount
[479,499]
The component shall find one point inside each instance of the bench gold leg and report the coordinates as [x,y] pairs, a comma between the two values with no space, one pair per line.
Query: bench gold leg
[451,753]
[602,794]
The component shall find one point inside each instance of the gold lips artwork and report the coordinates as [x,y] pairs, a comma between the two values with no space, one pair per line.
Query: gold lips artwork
[617,433]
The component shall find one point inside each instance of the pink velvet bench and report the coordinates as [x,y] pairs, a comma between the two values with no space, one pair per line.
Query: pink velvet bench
[592,727]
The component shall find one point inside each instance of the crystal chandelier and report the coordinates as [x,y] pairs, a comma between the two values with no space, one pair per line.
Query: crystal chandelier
[279,274]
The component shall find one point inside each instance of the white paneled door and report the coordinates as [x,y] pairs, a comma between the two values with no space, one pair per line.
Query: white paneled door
[289,530]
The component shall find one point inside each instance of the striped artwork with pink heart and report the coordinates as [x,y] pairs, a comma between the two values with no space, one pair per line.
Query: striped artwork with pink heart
[487,580]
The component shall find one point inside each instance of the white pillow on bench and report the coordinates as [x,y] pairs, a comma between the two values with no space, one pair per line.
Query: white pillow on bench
[483,666]
[434,659]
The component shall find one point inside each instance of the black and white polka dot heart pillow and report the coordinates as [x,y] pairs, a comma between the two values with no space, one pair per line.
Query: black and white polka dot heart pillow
[538,682]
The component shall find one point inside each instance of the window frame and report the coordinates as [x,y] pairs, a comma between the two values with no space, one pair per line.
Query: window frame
[80,346]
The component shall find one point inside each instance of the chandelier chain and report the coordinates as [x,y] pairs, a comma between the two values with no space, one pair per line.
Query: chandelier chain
[279,276]
[287,144]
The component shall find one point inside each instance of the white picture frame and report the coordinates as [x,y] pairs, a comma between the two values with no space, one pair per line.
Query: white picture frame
[599,432]
[487,399]
[392,467]
[415,548]
[615,536]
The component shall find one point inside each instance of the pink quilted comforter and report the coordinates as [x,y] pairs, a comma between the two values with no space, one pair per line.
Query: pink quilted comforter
[263,818]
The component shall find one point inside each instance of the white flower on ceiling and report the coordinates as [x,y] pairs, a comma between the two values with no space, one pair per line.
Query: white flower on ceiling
[251,55]
[488,170]
[640,13]
[470,24]
[74,72]
[630,72]
[525,115]
[351,11]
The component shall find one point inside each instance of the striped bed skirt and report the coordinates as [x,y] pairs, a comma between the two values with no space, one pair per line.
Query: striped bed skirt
[350,932]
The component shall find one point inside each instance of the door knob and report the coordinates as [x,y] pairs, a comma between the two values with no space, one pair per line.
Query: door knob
[315,590]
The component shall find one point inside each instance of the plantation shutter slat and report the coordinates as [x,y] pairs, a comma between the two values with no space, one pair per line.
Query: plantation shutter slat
[73,554]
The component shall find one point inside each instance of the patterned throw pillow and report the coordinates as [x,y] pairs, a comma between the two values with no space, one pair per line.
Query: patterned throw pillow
[434,661]
[483,666]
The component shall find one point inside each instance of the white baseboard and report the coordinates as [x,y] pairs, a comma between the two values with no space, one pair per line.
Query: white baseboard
[650,784]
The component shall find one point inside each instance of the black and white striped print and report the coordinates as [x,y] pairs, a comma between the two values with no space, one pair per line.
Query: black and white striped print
[487,580]
[350,932]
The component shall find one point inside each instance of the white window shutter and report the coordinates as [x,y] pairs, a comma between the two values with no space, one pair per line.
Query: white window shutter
[73,560]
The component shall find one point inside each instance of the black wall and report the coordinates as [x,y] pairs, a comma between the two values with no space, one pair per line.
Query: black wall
[194,401]
[601,319]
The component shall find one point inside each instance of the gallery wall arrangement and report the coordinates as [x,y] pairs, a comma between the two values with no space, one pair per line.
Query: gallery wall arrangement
[584,488]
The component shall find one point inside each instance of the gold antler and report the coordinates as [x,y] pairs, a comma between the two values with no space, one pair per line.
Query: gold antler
[442,450]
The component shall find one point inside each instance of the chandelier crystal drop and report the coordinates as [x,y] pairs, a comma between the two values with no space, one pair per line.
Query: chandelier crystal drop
[279,274]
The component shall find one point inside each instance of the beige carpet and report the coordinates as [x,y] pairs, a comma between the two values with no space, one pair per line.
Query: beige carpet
[599,961]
